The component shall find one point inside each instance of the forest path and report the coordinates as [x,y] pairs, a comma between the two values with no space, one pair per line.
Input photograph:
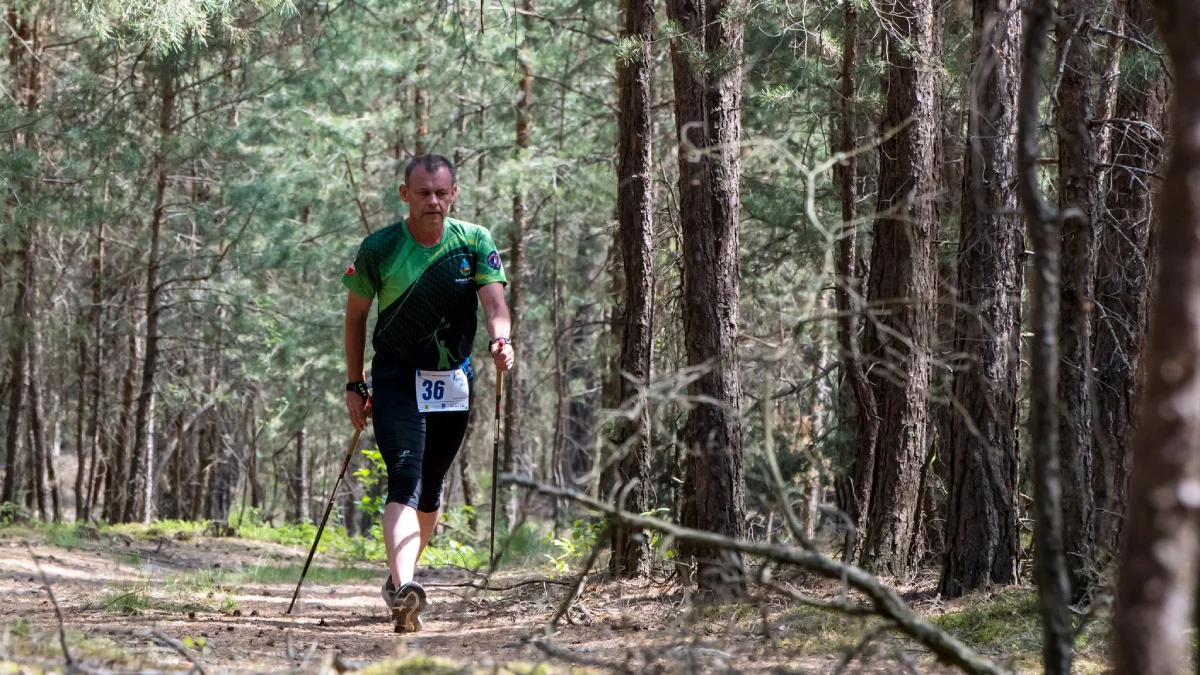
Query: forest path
[224,599]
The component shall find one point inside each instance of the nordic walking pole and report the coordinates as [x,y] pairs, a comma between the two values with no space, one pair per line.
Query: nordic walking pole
[324,518]
[495,465]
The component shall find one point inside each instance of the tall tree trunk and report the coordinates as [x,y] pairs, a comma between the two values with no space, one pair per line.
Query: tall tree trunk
[514,442]
[96,478]
[117,495]
[981,536]
[1050,565]
[1123,276]
[301,489]
[850,295]
[1077,192]
[635,207]
[80,455]
[142,457]
[1156,592]
[421,105]
[904,281]
[26,45]
[706,56]
[18,378]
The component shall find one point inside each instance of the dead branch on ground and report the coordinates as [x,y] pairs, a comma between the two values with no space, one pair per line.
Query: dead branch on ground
[885,602]
[62,632]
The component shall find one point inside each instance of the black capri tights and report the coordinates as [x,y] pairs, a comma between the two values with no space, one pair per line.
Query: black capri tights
[418,448]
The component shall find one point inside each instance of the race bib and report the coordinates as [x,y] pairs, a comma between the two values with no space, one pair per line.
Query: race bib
[443,391]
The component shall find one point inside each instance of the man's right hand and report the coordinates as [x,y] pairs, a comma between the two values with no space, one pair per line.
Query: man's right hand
[359,409]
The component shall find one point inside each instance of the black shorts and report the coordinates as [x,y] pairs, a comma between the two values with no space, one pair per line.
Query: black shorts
[418,448]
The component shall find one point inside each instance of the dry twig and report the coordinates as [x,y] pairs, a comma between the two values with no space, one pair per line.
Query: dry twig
[885,601]
[62,632]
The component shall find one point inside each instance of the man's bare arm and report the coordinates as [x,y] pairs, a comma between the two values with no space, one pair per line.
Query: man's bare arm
[357,311]
[499,324]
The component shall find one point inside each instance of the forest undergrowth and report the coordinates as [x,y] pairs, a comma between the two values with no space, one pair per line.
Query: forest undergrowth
[170,596]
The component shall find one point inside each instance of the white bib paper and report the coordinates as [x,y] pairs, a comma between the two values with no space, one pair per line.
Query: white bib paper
[443,391]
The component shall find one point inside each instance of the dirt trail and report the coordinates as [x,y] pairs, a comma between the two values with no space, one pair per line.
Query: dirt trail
[224,600]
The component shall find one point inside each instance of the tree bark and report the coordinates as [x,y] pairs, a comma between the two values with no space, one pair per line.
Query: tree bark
[904,282]
[142,457]
[301,490]
[1077,194]
[117,494]
[18,378]
[1157,586]
[850,296]
[98,459]
[1123,276]
[982,545]
[1050,566]
[514,445]
[708,101]
[635,205]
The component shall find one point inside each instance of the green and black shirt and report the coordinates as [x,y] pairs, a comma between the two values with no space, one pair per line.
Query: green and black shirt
[427,294]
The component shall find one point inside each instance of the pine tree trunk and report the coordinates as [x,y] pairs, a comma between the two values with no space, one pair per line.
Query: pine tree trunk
[981,543]
[141,506]
[849,296]
[117,496]
[301,489]
[80,456]
[99,460]
[1156,592]
[708,122]
[635,208]
[1077,192]
[514,443]
[18,378]
[904,282]
[1123,274]
[1050,565]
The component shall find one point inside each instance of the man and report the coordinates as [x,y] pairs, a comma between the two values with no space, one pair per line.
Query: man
[428,272]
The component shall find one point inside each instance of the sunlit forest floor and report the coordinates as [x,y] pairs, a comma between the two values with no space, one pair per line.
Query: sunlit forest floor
[124,592]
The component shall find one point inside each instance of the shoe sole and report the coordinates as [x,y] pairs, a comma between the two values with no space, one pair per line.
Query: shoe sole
[406,613]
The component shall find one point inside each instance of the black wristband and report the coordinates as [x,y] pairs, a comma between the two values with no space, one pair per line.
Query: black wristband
[359,388]
[502,340]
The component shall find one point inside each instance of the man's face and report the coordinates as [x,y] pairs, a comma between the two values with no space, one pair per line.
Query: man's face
[429,194]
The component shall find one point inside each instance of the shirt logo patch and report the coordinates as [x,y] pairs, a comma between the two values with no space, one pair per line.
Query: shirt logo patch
[465,268]
[350,269]
[494,260]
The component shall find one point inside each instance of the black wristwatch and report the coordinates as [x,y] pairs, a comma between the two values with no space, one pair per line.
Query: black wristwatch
[503,341]
[361,388]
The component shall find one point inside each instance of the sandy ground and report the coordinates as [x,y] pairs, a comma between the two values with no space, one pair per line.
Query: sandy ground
[202,594]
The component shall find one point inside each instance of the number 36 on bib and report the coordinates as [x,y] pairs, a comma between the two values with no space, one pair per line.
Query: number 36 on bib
[442,390]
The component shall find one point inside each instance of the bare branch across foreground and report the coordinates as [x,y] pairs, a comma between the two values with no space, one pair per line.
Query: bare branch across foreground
[885,601]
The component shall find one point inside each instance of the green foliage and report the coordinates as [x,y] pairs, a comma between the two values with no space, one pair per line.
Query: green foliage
[1008,622]
[166,26]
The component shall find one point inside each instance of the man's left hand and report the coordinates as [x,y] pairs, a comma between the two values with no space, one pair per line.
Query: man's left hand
[502,356]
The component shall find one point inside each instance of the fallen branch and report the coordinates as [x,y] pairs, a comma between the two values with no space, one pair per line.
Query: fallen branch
[488,587]
[885,601]
[580,582]
[179,649]
[62,632]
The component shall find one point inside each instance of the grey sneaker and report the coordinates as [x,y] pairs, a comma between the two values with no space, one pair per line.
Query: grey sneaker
[389,592]
[406,608]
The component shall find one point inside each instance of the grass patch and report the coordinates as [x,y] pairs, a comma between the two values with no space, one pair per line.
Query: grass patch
[127,598]
[811,631]
[19,628]
[266,574]
[1006,623]
[159,528]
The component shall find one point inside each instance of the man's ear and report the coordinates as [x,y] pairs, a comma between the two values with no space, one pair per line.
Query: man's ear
[404,193]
